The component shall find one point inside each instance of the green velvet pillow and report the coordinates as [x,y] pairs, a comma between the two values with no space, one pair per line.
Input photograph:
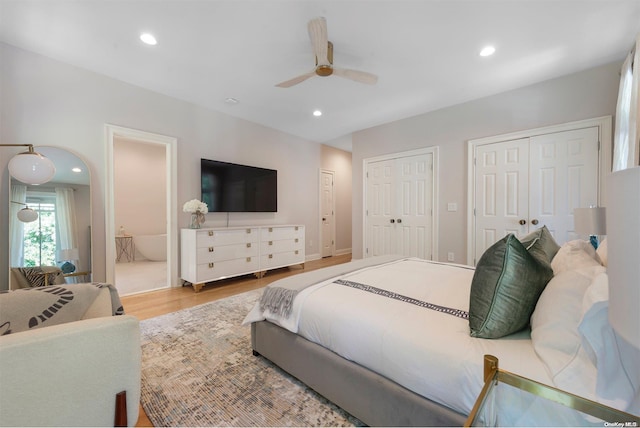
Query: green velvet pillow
[505,289]
[541,240]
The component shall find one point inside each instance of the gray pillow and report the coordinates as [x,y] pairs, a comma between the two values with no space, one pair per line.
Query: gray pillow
[505,289]
[541,240]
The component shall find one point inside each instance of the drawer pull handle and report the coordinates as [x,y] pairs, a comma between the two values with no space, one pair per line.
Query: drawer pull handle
[248,230]
[211,249]
[270,256]
[211,233]
[271,229]
[270,242]
[296,240]
[297,251]
[296,228]
[210,265]
[248,259]
[248,244]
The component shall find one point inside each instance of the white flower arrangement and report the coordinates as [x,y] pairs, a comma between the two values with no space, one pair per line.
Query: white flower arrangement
[195,206]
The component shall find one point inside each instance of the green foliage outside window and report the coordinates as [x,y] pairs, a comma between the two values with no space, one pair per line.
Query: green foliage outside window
[40,238]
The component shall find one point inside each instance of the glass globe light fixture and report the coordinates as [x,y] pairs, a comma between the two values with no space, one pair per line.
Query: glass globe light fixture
[27,215]
[31,167]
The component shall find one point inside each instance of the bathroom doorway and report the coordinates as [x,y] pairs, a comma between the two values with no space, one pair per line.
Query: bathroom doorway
[141,242]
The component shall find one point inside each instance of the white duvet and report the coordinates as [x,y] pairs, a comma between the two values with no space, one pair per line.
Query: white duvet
[426,351]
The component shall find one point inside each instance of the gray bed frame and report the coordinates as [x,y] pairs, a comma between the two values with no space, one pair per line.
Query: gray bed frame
[370,397]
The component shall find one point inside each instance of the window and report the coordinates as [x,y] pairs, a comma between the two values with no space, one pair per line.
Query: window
[39,245]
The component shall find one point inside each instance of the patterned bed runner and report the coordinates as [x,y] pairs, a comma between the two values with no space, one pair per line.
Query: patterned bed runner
[390,294]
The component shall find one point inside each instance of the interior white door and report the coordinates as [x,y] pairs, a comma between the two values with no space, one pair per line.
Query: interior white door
[414,193]
[501,186]
[380,210]
[327,213]
[524,184]
[399,207]
[564,176]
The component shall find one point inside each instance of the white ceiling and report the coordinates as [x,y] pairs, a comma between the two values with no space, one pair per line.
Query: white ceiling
[424,52]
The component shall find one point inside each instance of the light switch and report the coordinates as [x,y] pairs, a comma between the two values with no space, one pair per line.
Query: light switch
[452,206]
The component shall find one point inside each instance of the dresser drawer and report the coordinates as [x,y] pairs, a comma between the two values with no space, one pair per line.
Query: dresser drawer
[209,238]
[216,270]
[226,252]
[281,246]
[281,232]
[274,260]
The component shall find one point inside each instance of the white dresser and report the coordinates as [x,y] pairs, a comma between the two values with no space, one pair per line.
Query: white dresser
[218,253]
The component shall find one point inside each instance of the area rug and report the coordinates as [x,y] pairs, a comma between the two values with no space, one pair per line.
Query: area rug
[198,370]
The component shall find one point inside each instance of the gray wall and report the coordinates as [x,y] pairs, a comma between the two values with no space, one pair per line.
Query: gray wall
[588,94]
[46,102]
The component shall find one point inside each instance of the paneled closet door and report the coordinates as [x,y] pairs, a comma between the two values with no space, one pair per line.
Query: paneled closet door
[399,206]
[414,193]
[524,184]
[501,189]
[564,176]
[380,208]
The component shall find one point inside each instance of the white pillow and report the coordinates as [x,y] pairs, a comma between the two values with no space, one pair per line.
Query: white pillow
[554,322]
[602,252]
[613,386]
[575,254]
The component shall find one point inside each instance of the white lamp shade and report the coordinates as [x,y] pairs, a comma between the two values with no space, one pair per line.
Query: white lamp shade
[590,221]
[68,254]
[623,248]
[31,168]
[27,215]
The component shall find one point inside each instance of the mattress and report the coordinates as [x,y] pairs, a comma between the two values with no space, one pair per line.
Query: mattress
[405,319]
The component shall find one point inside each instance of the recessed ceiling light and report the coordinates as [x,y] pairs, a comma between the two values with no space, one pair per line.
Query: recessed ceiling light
[76,169]
[148,39]
[487,51]
[317,113]
[231,100]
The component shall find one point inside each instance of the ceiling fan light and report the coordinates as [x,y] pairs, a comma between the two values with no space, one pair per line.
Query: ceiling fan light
[27,215]
[31,168]
[149,39]
[487,51]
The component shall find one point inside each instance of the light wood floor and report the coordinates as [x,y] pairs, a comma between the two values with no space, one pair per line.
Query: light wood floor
[156,303]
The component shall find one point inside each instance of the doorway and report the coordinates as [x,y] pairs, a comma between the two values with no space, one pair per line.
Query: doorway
[521,181]
[121,238]
[327,213]
[400,202]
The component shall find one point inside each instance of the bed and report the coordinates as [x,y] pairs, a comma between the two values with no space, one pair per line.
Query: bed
[400,341]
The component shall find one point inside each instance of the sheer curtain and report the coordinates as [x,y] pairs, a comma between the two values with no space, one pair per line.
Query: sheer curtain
[66,218]
[626,146]
[16,227]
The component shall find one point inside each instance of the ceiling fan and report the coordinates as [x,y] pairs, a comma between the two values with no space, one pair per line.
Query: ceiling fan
[323,50]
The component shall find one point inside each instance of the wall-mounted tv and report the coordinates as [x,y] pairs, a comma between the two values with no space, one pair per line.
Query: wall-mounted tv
[229,187]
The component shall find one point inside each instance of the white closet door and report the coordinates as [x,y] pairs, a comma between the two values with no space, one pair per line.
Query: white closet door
[381,208]
[564,176]
[502,175]
[414,190]
[399,206]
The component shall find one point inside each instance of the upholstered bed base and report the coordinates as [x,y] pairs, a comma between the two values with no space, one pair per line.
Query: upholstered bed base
[372,398]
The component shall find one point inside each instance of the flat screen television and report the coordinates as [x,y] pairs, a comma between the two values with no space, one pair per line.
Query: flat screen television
[229,187]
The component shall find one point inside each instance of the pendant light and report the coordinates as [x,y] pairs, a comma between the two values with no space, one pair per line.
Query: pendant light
[31,167]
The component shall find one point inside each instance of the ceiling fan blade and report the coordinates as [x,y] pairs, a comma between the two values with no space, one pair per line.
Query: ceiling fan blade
[358,76]
[319,39]
[296,80]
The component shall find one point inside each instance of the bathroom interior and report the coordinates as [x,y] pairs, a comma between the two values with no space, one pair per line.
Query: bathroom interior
[140,214]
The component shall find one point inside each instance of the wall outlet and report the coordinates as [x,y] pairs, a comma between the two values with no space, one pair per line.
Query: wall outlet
[450,256]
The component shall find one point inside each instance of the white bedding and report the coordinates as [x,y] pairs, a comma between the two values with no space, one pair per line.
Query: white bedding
[426,351]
